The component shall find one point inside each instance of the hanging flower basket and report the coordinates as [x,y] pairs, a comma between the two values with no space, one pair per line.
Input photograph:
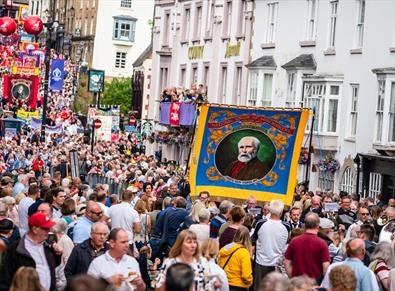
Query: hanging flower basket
[329,164]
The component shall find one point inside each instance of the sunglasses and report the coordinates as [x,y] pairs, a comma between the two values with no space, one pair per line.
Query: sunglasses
[97,213]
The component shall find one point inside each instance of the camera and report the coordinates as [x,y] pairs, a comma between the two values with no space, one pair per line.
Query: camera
[51,239]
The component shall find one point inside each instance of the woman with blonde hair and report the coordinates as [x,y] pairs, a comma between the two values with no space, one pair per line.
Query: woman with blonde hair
[193,218]
[210,250]
[235,260]
[186,250]
[26,279]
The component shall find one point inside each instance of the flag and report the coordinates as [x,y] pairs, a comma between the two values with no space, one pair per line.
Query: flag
[175,113]
[57,75]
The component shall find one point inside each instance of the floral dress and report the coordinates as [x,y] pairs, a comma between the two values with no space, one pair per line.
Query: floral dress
[202,280]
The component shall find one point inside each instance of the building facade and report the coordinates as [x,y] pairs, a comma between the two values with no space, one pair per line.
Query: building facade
[335,57]
[122,33]
[332,57]
[200,42]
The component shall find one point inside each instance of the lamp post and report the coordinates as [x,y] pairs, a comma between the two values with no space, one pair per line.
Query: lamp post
[50,26]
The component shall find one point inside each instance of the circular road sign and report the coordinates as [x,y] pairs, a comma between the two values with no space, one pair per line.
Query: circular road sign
[97,123]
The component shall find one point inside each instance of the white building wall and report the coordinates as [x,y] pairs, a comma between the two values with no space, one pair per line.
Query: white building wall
[378,38]
[106,47]
[173,54]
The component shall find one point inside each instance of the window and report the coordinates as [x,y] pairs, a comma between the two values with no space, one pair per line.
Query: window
[323,98]
[241,26]
[374,184]
[253,88]
[210,20]
[124,30]
[311,20]
[120,60]
[360,23]
[32,10]
[290,99]
[271,22]
[267,90]
[186,23]
[86,26]
[227,19]
[182,76]
[166,26]
[380,110]
[332,28]
[333,109]
[198,22]
[206,75]
[237,85]
[92,25]
[37,7]
[348,181]
[353,110]
[81,4]
[126,3]
[223,85]
[391,133]
[194,74]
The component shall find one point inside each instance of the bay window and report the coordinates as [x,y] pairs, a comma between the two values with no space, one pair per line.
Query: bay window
[260,88]
[324,99]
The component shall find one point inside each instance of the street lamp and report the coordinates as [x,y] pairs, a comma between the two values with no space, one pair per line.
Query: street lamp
[49,26]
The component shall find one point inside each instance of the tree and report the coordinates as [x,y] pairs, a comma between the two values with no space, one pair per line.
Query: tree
[118,92]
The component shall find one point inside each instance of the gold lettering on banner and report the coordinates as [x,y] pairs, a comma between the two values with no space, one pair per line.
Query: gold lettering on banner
[195,52]
[232,50]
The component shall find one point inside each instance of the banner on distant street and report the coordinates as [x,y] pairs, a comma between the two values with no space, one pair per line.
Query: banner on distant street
[27,116]
[243,151]
[57,75]
[22,88]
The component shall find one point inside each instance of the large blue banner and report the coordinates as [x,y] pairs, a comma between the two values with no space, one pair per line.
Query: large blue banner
[57,75]
[242,151]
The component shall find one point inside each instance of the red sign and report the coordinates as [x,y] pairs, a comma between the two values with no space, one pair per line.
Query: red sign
[175,113]
[97,123]
[132,120]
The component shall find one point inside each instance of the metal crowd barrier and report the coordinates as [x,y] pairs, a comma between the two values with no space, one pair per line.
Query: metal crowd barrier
[113,187]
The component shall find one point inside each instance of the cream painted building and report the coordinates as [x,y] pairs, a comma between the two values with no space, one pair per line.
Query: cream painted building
[122,33]
[203,42]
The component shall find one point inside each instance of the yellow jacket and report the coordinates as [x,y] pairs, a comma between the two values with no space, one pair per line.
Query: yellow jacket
[239,268]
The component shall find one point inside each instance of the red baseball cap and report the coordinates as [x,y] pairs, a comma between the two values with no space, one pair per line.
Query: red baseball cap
[40,219]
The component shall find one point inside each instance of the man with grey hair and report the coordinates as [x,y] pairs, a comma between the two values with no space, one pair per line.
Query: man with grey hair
[247,166]
[221,218]
[270,237]
[21,186]
[83,254]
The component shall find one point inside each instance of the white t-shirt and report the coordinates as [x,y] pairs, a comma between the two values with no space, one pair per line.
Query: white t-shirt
[123,215]
[202,232]
[105,266]
[272,239]
[104,208]
[23,209]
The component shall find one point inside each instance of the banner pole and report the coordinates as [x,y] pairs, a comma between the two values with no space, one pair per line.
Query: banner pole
[307,176]
[193,137]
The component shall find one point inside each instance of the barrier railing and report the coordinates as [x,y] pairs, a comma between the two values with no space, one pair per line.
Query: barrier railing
[113,186]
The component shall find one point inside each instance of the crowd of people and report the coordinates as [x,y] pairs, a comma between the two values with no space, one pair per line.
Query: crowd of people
[66,235]
[195,94]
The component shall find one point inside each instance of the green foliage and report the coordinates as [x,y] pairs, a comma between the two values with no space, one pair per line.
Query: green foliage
[118,92]
[83,98]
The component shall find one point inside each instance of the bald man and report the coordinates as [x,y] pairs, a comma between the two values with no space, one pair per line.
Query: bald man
[366,280]
[82,228]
